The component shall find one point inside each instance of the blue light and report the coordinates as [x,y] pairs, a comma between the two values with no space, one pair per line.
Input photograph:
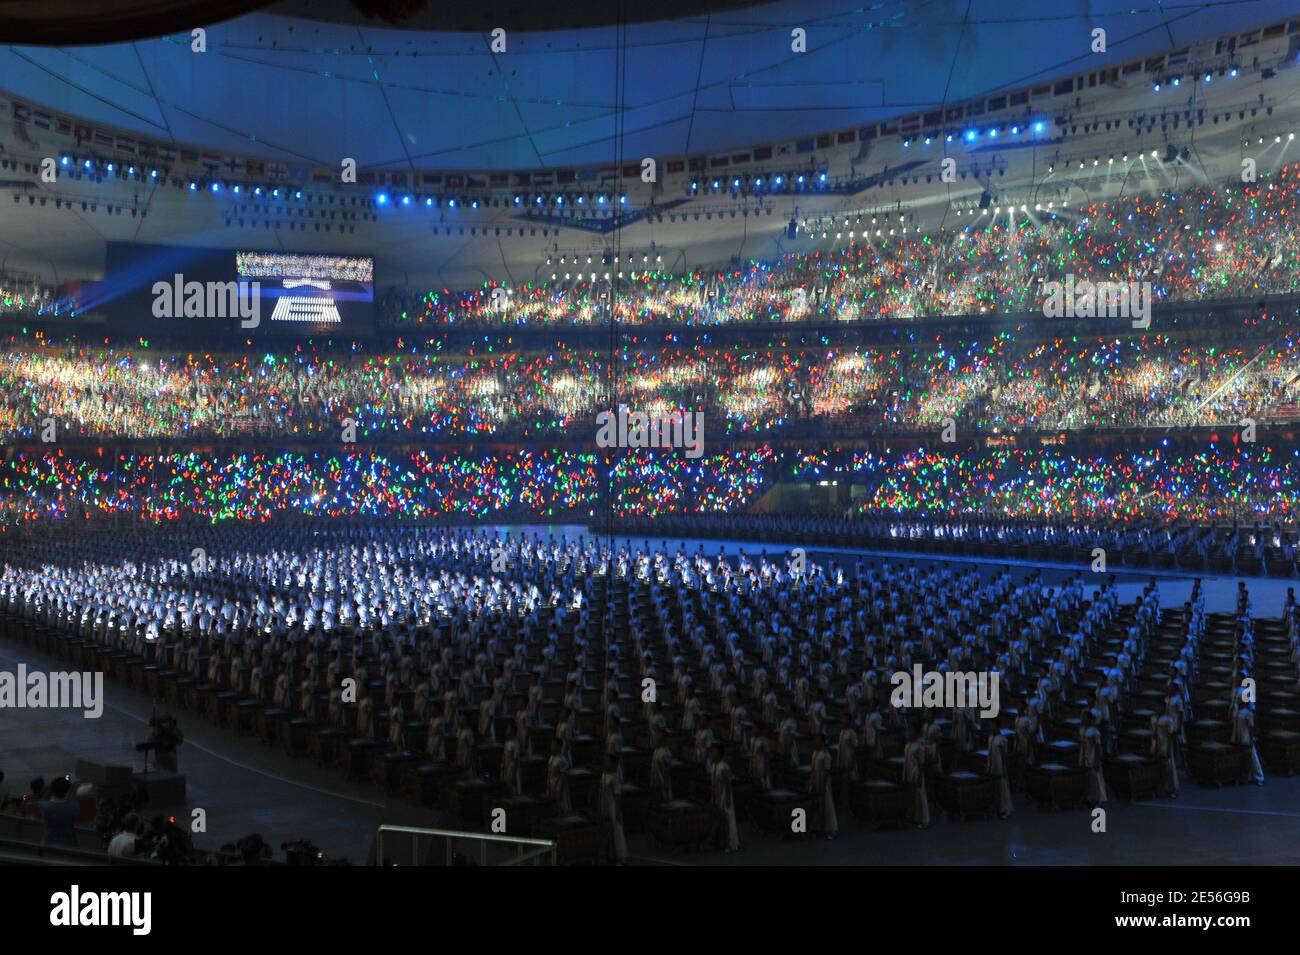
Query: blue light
[970,135]
[451,203]
[906,143]
[111,167]
[236,190]
[1015,130]
[153,173]
[948,139]
[298,194]
[406,200]
[1232,72]
[1178,81]
[779,180]
[216,187]
[800,180]
[257,190]
[1157,87]
[927,140]
[993,133]
[65,160]
[87,164]
[1039,126]
[518,200]
[428,200]
[822,177]
[382,199]
[601,197]
[559,200]
[622,200]
[130,170]
[276,194]
[193,185]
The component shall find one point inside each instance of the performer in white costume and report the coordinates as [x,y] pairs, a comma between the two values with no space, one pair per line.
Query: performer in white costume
[997,770]
[821,788]
[723,799]
[611,806]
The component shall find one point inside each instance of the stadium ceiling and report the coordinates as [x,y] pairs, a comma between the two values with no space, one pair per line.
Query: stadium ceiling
[315,83]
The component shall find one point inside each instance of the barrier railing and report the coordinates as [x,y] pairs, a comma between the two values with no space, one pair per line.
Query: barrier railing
[488,848]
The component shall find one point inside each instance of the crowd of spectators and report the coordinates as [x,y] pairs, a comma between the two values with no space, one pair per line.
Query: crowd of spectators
[1010,381]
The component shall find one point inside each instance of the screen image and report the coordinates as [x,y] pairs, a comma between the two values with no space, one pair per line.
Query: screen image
[313,289]
[197,293]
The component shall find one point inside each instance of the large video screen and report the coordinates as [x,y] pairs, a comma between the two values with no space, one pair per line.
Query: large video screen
[310,289]
[152,290]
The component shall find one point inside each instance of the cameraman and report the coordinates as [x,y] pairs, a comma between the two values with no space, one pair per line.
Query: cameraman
[170,844]
[165,735]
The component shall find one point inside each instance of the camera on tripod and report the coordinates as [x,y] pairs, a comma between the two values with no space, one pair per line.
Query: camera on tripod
[302,852]
[164,736]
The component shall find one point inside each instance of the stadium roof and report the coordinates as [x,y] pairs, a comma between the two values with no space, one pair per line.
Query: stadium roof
[297,89]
